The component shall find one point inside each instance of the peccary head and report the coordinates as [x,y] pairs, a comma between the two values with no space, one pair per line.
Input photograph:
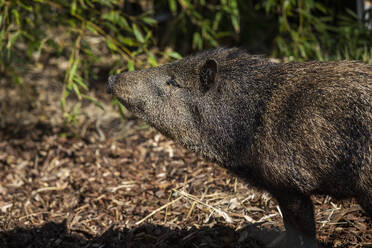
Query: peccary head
[198,101]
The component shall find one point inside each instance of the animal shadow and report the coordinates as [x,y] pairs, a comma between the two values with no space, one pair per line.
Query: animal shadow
[57,235]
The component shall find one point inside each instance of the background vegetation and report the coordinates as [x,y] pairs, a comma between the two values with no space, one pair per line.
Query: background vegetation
[143,33]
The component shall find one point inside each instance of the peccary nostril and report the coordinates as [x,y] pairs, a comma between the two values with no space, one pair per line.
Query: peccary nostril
[110,84]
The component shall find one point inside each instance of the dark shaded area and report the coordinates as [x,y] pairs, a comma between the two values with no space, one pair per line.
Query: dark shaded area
[53,235]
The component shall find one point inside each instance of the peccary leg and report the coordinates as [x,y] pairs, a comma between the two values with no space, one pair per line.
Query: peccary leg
[365,201]
[298,217]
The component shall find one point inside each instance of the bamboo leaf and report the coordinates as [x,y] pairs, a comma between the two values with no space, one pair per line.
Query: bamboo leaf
[13,39]
[217,20]
[137,33]
[93,100]
[186,4]
[76,90]
[73,7]
[111,45]
[127,41]
[16,16]
[80,82]
[17,79]
[197,42]
[24,6]
[152,59]
[121,108]
[63,103]
[173,6]
[123,22]
[149,20]
[174,54]
[73,69]
[91,28]
[235,23]
[130,65]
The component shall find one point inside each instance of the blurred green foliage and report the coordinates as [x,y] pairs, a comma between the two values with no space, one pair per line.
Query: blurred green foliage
[136,34]
[310,29]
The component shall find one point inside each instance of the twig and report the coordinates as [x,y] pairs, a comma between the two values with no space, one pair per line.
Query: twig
[166,209]
[127,184]
[191,209]
[219,211]
[159,209]
[102,136]
[58,188]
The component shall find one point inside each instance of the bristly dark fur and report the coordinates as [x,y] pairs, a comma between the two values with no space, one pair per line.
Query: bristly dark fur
[293,129]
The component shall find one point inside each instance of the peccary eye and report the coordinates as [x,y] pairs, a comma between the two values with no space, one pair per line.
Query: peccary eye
[173,83]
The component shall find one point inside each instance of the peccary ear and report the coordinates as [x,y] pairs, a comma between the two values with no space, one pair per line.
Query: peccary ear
[208,74]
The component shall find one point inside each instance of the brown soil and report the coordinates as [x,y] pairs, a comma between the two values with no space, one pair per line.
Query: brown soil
[111,183]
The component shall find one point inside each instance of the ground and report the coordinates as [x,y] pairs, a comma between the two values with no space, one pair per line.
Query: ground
[112,182]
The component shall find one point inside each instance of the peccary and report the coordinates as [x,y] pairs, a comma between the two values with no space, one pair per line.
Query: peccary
[293,129]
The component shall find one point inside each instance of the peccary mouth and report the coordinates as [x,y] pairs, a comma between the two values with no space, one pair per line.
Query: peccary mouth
[134,106]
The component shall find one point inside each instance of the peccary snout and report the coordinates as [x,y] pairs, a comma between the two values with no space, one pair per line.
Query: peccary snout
[110,84]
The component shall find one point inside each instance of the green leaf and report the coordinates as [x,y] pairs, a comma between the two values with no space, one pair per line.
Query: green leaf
[173,6]
[115,17]
[111,45]
[233,5]
[151,59]
[149,20]
[321,7]
[197,42]
[110,16]
[93,100]
[80,82]
[63,103]
[13,39]
[127,41]
[82,4]
[40,47]
[91,28]
[63,135]
[217,20]
[268,5]
[220,35]
[1,37]
[352,13]
[76,90]
[130,65]
[186,3]
[116,102]
[73,69]
[174,54]
[24,6]
[16,16]
[73,7]
[123,22]
[137,33]
[235,23]
[148,36]
[17,79]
